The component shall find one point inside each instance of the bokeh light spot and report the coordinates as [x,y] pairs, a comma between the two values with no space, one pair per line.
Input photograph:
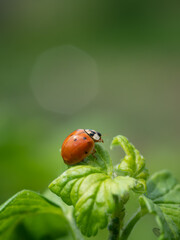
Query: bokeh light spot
[64,79]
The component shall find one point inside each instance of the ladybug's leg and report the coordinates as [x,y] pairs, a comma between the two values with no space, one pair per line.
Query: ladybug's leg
[93,153]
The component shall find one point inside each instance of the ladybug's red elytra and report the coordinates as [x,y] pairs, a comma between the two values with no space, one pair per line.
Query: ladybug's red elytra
[79,145]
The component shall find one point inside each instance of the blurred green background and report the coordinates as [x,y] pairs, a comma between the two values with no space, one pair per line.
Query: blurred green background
[112,66]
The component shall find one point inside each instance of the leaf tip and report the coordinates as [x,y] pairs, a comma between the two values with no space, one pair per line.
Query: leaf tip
[53,187]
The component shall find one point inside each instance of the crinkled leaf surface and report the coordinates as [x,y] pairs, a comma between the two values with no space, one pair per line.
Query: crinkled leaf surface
[133,164]
[27,205]
[163,201]
[90,188]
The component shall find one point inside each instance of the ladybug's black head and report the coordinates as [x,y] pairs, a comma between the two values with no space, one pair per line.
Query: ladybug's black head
[96,136]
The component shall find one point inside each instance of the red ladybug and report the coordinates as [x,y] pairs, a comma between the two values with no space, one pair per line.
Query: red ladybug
[79,144]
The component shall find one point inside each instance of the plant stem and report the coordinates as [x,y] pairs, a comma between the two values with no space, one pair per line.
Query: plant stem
[116,220]
[130,224]
[114,228]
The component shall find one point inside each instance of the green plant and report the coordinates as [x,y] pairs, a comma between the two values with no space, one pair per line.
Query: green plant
[98,193]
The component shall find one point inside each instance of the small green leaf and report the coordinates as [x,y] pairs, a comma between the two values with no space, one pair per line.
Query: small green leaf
[163,201]
[133,164]
[102,160]
[27,204]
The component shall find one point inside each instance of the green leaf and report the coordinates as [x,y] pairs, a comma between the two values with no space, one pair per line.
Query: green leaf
[163,201]
[41,226]
[133,164]
[28,204]
[91,192]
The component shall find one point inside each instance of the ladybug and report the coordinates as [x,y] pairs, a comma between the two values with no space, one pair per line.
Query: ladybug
[79,145]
